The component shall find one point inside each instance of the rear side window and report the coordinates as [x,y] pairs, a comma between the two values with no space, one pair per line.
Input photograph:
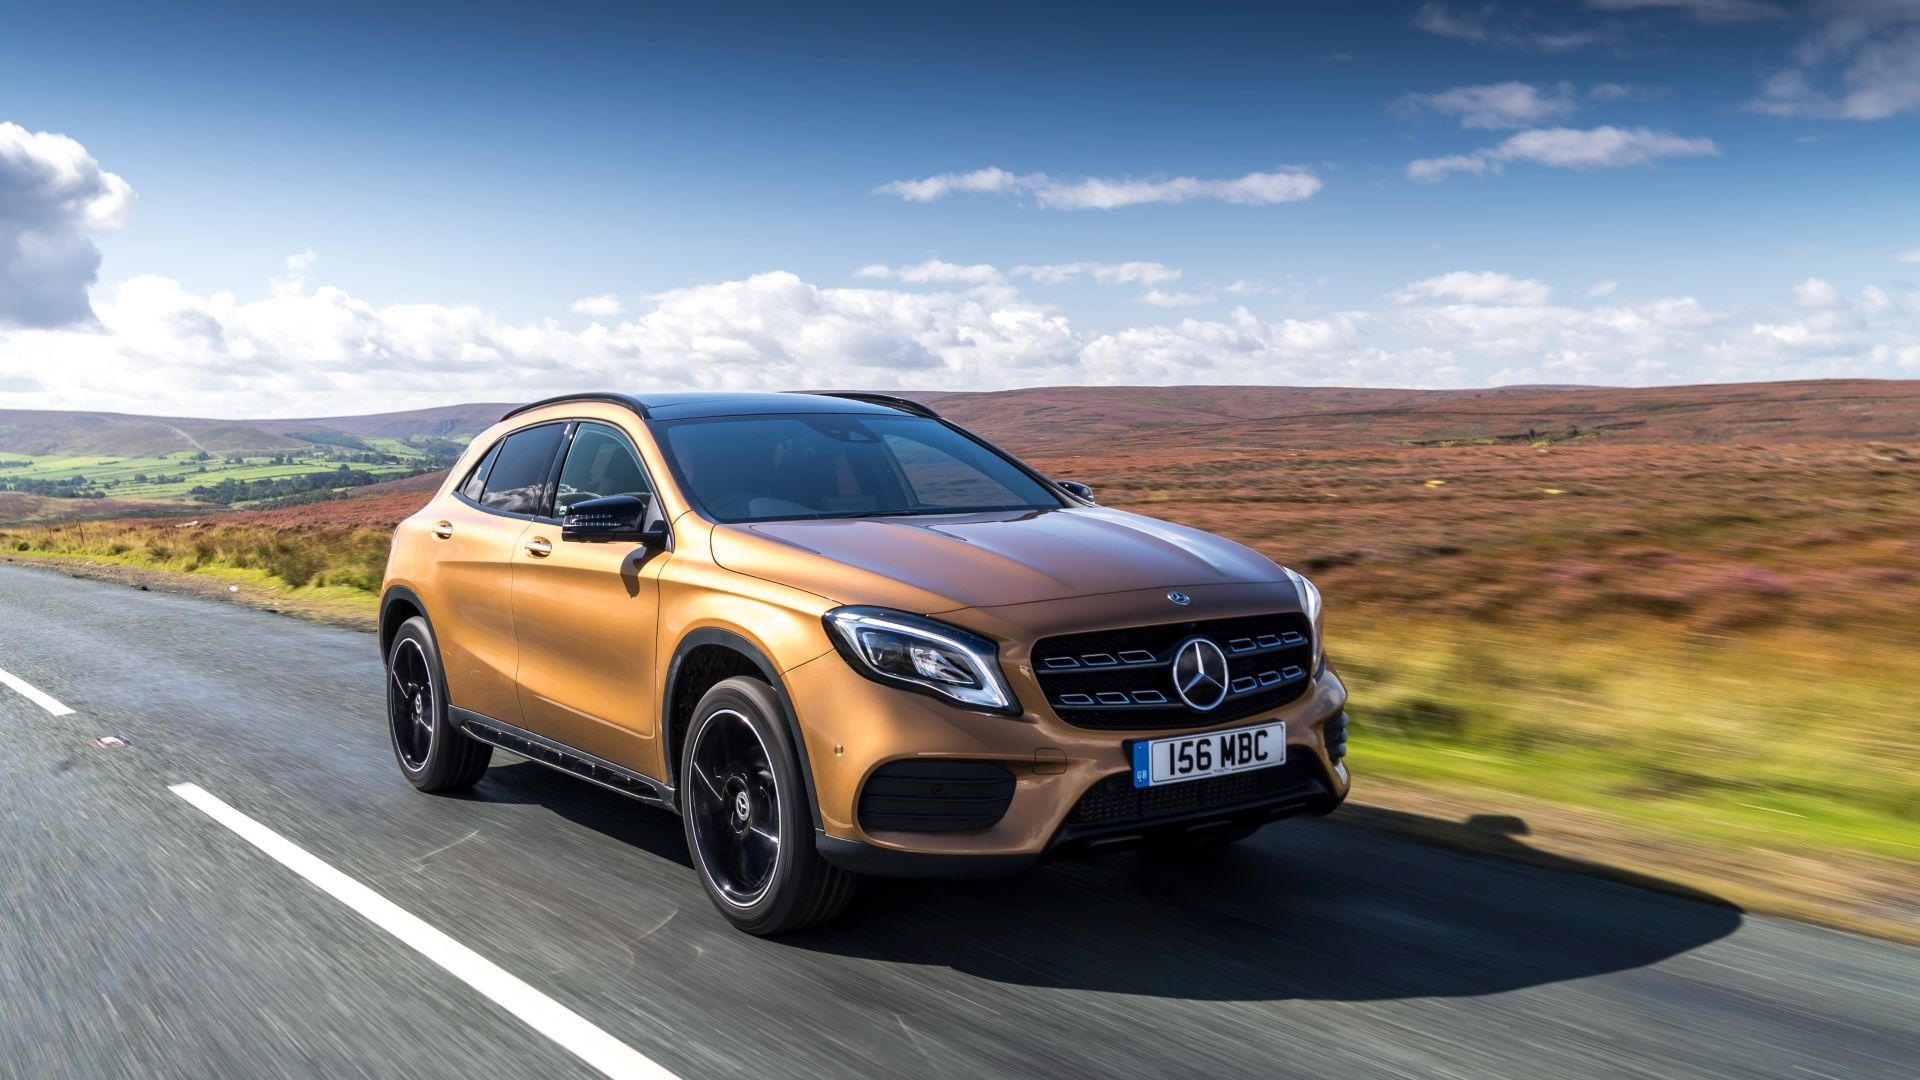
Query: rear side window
[477,479]
[517,484]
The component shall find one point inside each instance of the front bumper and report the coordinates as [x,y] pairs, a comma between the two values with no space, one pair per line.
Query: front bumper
[853,726]
[1303,790]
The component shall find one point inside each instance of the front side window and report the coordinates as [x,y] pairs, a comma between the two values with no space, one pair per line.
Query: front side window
[771,468]
[599,463]
[517,483]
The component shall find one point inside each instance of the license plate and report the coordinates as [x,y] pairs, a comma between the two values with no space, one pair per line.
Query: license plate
[1195,757]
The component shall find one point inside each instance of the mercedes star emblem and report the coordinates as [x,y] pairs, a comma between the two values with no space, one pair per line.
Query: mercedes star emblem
[1200,674]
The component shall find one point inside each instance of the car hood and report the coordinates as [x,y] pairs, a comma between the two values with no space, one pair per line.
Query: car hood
[927,564]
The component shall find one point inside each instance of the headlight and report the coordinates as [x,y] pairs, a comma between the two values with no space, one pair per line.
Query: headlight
[921,654]
[1310,603]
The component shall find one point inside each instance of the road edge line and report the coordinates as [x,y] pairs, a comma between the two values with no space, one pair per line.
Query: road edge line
[33,693]
[571,1031]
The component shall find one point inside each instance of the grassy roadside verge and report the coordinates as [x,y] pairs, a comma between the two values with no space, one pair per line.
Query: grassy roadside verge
[1779,770]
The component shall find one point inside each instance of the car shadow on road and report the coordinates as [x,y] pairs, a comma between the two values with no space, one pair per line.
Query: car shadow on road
[1304,910]
[616,816]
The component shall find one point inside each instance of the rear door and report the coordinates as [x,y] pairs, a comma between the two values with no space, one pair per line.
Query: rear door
[475,539]
[586,614]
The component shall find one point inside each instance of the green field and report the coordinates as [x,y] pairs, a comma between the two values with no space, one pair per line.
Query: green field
[173,477]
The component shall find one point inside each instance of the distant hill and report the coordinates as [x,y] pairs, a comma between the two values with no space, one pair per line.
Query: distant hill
[444,422]
[1069,416]
[50,432]
[42,432]
[1078,417]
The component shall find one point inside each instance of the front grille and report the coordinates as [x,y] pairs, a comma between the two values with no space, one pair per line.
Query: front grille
[1122,680]
[935,795]
[1115,801]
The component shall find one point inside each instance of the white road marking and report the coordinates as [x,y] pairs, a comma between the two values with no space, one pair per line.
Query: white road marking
[34,694]
[550,1018]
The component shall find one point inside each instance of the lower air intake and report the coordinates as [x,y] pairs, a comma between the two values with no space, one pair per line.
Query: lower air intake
[931,795]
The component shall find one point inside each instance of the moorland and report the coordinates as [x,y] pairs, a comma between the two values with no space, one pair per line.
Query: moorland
[1670,629]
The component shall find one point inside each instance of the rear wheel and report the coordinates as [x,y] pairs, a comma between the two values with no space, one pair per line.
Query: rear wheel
[745,811]
[433,754]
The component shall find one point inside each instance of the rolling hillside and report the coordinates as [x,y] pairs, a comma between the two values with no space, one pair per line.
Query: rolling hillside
[45,432]
[1300,417]
[1329,417]
[141,465]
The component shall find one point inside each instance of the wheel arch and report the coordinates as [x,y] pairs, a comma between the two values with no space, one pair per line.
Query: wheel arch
[397,605]
[687,680]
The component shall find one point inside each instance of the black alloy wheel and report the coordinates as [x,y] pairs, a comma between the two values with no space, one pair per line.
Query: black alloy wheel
[748,816]
[433,754]
[735,808]
[410,704]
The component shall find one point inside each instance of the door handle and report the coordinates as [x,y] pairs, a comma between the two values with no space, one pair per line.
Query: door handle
[539,547]
[443,529]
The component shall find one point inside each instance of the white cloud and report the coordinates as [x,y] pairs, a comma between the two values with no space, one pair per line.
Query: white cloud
[1488,26]
[1868,334]
[606,305]
[1123,273]
[1565,148]
[298,275]
[1107,193]
[54,198]
[1477,288]
[989,181]
[1162,298]
[1604,288]
[1815,293]
[1496,105]
[1707,11]
[1908,256]
[933,272]
[160,348]
[1872,47]
[1249,287]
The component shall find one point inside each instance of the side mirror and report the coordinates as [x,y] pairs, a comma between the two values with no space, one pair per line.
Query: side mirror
[1076,489]
[614,518]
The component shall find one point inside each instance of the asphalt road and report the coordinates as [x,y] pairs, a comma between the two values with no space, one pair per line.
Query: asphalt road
[141,938]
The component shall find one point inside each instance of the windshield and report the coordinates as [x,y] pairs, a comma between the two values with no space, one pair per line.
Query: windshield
[776,468]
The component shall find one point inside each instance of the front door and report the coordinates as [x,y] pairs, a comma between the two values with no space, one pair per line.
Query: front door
[586,614]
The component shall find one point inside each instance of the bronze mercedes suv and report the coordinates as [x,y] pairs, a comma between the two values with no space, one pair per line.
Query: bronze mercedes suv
[841,636]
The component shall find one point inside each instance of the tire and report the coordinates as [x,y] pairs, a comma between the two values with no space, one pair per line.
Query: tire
[434,755]
[745,811]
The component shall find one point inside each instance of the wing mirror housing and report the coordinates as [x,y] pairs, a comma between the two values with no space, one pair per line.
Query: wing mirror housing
[614,519]
[1077,489]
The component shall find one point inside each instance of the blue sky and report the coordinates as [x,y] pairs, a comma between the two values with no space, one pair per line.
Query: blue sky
[462,174]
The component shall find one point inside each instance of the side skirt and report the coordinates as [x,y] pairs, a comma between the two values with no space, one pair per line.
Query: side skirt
[557,755]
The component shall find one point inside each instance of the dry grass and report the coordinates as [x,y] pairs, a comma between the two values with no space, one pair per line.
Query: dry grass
[339,557]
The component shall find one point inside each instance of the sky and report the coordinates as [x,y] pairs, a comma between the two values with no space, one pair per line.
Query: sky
[237,210]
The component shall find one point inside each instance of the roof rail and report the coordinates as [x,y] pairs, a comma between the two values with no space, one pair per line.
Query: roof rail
[628,400]
[888,400]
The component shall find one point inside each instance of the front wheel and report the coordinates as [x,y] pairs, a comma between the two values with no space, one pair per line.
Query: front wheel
[745,810]
[433,753]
